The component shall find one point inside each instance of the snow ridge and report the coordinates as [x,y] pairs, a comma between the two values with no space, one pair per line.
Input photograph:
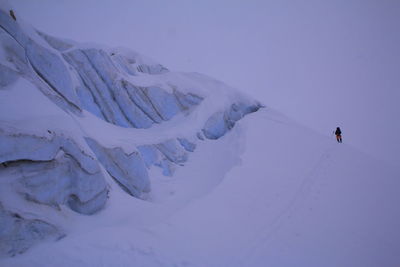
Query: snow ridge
[92,116]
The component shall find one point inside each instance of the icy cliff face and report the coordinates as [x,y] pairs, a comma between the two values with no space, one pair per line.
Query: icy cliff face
[76,117]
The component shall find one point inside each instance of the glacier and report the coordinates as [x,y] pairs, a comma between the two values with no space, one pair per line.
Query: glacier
[119,161]
[78,119]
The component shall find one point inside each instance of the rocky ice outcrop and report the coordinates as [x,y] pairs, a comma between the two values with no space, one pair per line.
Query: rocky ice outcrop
[54,171]
[106,93]
[128,170]
[187,145]
[221,122]
[167,155]
[49,154]
[17,234]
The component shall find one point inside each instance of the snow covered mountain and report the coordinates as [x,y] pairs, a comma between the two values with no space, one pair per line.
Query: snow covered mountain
[109,159]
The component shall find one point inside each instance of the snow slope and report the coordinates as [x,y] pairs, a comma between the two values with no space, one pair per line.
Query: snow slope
[274,194]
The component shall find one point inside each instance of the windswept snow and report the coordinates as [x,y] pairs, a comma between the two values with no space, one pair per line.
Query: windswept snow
[269,193]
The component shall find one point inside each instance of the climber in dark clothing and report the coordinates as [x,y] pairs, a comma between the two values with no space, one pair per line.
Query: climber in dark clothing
[13,15]
[338,134]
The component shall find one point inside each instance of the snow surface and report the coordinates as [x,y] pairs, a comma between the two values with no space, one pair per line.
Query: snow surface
[83,128]
[269,193]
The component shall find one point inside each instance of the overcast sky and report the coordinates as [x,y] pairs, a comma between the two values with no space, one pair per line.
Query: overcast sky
[323,63]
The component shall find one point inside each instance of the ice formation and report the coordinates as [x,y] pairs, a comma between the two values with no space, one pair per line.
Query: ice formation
[75,115]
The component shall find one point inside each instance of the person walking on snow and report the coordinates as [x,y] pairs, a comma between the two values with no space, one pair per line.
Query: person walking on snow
[338,134]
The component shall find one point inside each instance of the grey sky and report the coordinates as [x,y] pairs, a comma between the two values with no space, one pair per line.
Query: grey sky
[324,63]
